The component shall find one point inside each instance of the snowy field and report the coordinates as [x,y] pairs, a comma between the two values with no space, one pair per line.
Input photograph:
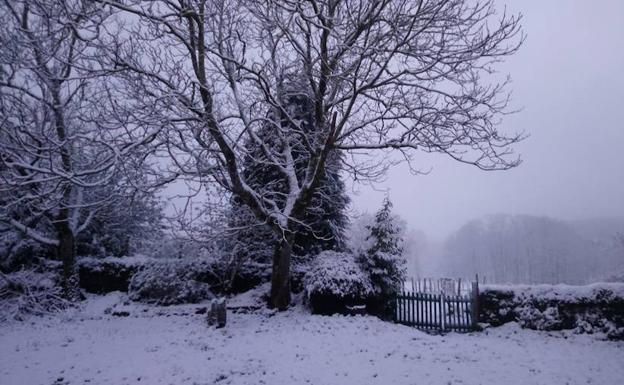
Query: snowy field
[173,345]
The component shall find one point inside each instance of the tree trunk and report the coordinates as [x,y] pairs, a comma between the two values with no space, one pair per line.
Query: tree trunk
[280,278]
[67,252]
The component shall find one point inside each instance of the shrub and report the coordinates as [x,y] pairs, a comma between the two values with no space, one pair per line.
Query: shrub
[18,252]
[103,275]
[168,283]
[28,292]
[336,282]
[223,277]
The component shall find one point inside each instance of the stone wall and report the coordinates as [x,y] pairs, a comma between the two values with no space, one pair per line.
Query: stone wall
[597,308]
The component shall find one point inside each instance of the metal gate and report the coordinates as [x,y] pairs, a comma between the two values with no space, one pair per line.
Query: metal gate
[439,311]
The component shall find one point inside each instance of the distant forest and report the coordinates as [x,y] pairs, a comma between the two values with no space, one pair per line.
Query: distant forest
[530,249]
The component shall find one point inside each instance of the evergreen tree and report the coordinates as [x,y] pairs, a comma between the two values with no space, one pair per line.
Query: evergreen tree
[324,223]
[384,259]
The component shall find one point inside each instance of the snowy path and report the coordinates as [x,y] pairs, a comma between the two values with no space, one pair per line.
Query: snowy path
[292,348]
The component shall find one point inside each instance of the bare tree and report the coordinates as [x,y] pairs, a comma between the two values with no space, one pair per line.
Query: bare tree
[53,152]
[384,77]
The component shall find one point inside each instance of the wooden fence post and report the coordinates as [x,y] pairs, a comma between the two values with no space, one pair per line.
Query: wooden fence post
[442,312]
[475,303]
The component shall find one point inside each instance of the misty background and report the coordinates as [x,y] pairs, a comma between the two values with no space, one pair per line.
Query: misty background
[561,212]
[568,86]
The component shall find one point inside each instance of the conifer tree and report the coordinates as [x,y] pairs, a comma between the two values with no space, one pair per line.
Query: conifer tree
[325,219]
[384,259]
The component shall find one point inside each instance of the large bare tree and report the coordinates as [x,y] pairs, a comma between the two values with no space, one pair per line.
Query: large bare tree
[385,78]
[56,158]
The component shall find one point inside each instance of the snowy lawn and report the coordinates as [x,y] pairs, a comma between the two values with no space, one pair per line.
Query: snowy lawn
[174,346]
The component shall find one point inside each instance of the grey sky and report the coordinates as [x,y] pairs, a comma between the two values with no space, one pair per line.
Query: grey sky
[568,78]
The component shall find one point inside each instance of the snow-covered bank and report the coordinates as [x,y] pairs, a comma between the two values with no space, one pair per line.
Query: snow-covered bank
[155,346]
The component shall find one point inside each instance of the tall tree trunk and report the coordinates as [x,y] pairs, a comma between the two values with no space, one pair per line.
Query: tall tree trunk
[67,252]
[280,278]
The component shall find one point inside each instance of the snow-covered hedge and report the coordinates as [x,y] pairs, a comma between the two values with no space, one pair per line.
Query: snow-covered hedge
[248,275]
[103,275]
[336,282]
[597,308]
[168,283]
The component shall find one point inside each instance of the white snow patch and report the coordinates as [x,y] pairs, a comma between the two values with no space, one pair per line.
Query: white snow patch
[153,345]
[137,260]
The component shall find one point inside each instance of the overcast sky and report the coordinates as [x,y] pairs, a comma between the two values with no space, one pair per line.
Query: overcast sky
[568,78]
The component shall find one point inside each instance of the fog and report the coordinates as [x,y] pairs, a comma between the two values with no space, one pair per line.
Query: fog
[563,205]
[568,85]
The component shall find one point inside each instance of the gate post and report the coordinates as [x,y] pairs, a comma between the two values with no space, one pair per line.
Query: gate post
[396,307]
[442,312]
[475,303]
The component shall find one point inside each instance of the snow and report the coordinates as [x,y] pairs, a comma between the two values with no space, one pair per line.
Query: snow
[173,345]
[570,293]
[137,260]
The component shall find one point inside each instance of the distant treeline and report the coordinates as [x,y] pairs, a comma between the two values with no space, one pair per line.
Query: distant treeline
[530,249]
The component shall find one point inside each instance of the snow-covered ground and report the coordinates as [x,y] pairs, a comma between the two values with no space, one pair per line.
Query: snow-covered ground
[173,345]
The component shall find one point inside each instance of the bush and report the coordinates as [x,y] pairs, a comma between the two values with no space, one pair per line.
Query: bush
[335,283]
[17,252]
[221,268]
[28,292]
[103,275]
[224,278]
[168,283]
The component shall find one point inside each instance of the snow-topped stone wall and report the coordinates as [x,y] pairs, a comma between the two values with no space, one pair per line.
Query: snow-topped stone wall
[596,308]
